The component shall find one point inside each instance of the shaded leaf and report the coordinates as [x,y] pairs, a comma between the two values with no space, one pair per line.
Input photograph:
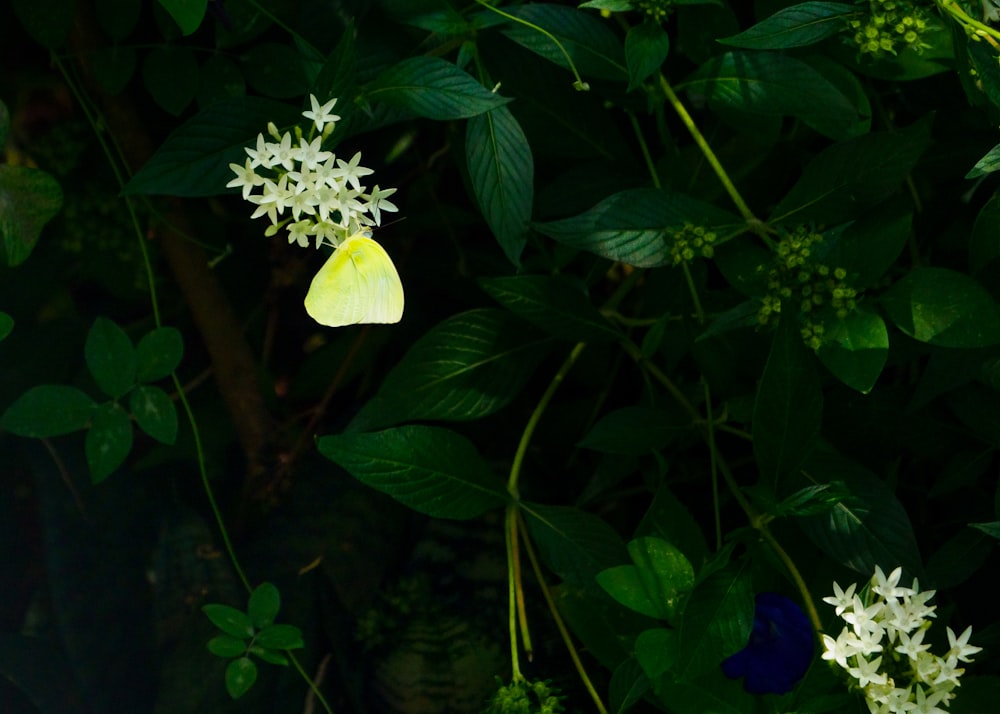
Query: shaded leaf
[855,348]
[717,620]
[233,622]
[627,687]
[280,637]
[275,70]
[433,88]
[170,73]
[29,198]
[240,676]
[158,354]
[657,651]
[6,325]
[154,412]
[646,49]
[188,14]
[986,165]
[658,582]
[797,26]
[48,410]
[227,646]
[263,606]
[110,357]
[636,430]
[984,243]
[109,440]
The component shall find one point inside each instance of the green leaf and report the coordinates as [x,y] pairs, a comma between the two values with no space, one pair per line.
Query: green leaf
[48,410]
[433,88]
[113,67]
[4,124]
[171,76]
[846,178]
[195,158]
[6,325]
[270,656]
[636,430]
[29,198]
[772,83]
[501,171]
[188,14]
[280,637]
[118,18]
[959,558]
[984,244]
[227,646]
[464,368]
[657,651]
[47,21]
[991,529]
[265,601]
[656,585]
[158,354]
[575,544]
[110,358]
[796,26]
[855,348]
[717,620]
[108,442]
[154,412]
[868,247]
[221,78]
[632,226]
[668,518]
[986,165]
[943,307]
[646,49]
[240,676]
[627,687]
[789,405]
[429,469]
[552,304]
[275,70]
[594,49]
[230,620]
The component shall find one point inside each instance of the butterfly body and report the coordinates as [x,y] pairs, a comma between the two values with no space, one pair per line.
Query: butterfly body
[357,285]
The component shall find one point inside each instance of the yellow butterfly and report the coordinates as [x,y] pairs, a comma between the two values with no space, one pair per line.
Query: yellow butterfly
[358,284]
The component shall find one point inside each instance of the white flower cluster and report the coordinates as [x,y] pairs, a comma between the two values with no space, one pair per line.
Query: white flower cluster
[882,647]
[323,194]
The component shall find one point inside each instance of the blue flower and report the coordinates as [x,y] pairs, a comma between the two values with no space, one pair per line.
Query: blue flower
[780,648]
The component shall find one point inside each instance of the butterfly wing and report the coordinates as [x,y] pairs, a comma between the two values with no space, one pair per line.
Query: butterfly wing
[358,284]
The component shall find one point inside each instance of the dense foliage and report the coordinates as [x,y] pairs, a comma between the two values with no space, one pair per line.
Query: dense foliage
[700,319]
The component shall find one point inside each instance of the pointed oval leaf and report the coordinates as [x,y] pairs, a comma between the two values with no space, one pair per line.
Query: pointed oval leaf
[6,325]
[110,357]
[636,430]
[656,585]
[154,412]
[552,304]
[29,198]
[628,685]
[48,410]
[501,171]
[429,469]
[984,243]
[109,440]
[646,48]
[171,76]
[188,14]
[796,26]
[656,650]
[230,620]
[158,354]
[280,637]
[466,367]
[855,349]
[717,620]
[227,646]
[275,70]
[986,165]
[265,601]
[945,308]
[274,657]
[240,676]
[433,88]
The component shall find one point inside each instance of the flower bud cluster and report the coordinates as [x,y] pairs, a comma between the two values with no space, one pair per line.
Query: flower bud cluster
[690,242]
[656,10]
[890,25]
[524,697]
[883,651]
[323,194]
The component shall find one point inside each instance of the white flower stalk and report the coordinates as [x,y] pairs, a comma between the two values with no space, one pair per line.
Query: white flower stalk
[881,648]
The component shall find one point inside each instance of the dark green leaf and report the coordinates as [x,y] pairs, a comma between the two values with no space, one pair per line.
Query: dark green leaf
[188,14]
[848,177]
[657,651]
[771,83]
[593,47]
[171,76]
[501,171]
[433,88]
[195,158]
[656,585]
[118,17]
[628,686]
[274,657]
[670,520]
[868,247]
[943,307]
[855,349]
[108,442]
[717,621]
[113,67]
[6,325]
[984,244]
[466,367]
[110,357]
[959,558]
[789,405]
[29,198]
[240,676]
[691,698]
[227,646]
[986,165]
[991,529]
[47,21]
[265,601]
[430,469]
[4,123]
[158,354]
[646,49]
[551,304]
[221,78]
[275,70]
[230,620]
[280,637]
[636,430]
[632,226]
[154,412]
[796,26]
[49,410]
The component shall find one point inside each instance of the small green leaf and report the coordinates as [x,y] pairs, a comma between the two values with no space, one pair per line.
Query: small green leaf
[717,621]
[158,354]
[109,440]
[274,657]
[855,349]
[657,650]
[221,78]
[113,67]
[789,405]
[265,601]
[943,307]
[188,14]
[656,585]
[280,637]
[110,358]
[991,529]
[171,76]
[227,646]
[29,198]
[118,17]
[646,49]
[552,304]
[796,26]
[984,244]
[635,430]
[986,165]
[47,21]
[501,170]
[154,412]
[240,676]
[627,687]
[430,469]
[6,325]
[275,70]
[48,410]
[433,88]
[230,620]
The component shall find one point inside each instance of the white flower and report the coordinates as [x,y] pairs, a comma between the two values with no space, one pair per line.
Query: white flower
[262,155]
[960,647]
[321,115]
[889,588]
[310,155]
[912,646]
[282,153]
[864,619]
[841,599]
[246,178]
[299,233]
[351,172]
[377,204]
[867,672]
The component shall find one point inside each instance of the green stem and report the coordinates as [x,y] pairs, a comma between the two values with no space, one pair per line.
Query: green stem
[662,378]
[980,29]
[515,664]
[698,311]
[644,148]
[713,465]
